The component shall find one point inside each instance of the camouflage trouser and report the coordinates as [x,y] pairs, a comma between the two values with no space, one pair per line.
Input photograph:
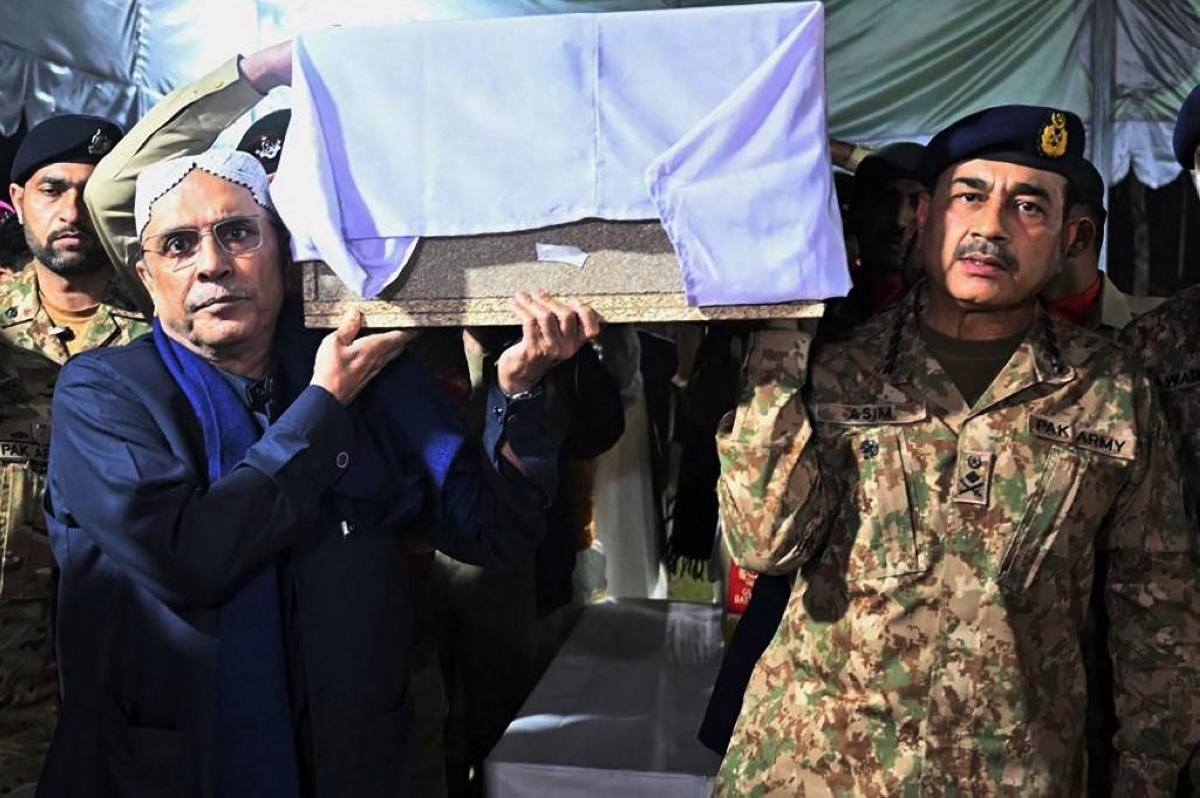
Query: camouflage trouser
[28,693]
[20,767]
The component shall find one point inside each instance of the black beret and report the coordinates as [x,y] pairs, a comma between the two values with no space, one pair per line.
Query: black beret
[264,139]
[70,138]
[1187,130]
[898,161]
[1033,136]
[1089,188]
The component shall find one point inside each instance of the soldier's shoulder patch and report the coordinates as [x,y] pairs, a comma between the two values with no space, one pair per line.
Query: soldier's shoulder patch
[873,414]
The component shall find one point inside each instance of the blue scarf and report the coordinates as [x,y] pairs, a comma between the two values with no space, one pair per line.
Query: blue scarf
[254,724]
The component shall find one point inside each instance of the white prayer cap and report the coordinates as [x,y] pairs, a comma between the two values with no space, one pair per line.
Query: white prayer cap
[236,167]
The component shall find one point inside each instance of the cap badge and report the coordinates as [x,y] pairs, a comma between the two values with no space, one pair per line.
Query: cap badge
[1053,143]
[100,143]
[268,148]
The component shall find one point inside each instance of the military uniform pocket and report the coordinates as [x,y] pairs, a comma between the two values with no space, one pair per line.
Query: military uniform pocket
[26,562]
[1040,525]
[880,508]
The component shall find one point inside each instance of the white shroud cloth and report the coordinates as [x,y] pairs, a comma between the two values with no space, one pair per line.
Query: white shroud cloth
[710,119]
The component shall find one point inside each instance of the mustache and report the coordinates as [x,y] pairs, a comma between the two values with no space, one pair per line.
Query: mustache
[210,294]
[68,232]
[991,250]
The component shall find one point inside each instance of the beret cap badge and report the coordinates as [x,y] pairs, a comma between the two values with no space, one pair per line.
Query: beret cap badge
[268,148]
[100,143]
[1053,141]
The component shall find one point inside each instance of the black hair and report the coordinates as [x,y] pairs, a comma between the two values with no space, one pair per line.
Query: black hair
[1075,203]
[14,250]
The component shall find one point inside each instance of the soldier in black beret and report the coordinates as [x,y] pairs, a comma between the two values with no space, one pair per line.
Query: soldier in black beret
[1000,186]
[947,485]
[883,218]
[62,303]
[68,301]
[1082,293]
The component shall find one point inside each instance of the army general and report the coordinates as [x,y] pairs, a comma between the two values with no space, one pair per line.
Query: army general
[948,500]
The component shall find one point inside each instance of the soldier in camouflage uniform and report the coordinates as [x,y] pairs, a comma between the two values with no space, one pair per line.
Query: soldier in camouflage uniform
[1167,340]
[28,684]
[946,530]
[70,276]
[54,161]
[25,323]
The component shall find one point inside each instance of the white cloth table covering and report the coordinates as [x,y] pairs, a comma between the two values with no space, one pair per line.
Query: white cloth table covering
[617,711]
[710,119]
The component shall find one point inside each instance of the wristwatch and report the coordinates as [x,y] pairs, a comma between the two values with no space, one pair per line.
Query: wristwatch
[519,395]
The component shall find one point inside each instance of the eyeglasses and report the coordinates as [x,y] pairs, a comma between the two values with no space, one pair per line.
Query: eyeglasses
[237,235]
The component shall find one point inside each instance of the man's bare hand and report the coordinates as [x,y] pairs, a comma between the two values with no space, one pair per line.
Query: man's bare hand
[551,332]
[346,363]
[270,68]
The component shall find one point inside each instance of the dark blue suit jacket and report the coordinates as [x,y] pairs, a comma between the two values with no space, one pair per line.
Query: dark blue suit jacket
[149,551]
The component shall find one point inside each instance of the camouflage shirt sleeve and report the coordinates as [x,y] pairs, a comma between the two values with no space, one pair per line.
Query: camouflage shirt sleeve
[1152,601]
[770,488]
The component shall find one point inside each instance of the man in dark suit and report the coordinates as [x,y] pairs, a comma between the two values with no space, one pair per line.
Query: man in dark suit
[227,500]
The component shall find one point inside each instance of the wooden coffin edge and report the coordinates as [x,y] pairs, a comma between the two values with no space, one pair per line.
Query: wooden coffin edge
[490,311]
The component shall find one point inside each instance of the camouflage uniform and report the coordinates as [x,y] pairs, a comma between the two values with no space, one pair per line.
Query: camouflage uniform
[31,355]
[24,322]
[28,684]
[1110,313]
[1165,341]
[932,642]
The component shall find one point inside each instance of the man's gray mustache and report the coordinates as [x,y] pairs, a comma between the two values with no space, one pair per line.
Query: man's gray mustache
[987,248]
[206,297]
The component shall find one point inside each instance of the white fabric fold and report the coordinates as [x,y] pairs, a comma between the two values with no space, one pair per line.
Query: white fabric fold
[747,195]
[712,119]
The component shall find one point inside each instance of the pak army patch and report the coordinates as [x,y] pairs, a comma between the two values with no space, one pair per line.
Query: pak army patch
[1114,443]
[973,482]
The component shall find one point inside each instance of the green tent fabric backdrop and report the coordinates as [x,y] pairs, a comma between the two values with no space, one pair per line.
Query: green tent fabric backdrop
[896,69]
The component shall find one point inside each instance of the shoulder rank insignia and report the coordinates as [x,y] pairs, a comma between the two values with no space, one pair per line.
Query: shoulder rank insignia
[1053,142]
